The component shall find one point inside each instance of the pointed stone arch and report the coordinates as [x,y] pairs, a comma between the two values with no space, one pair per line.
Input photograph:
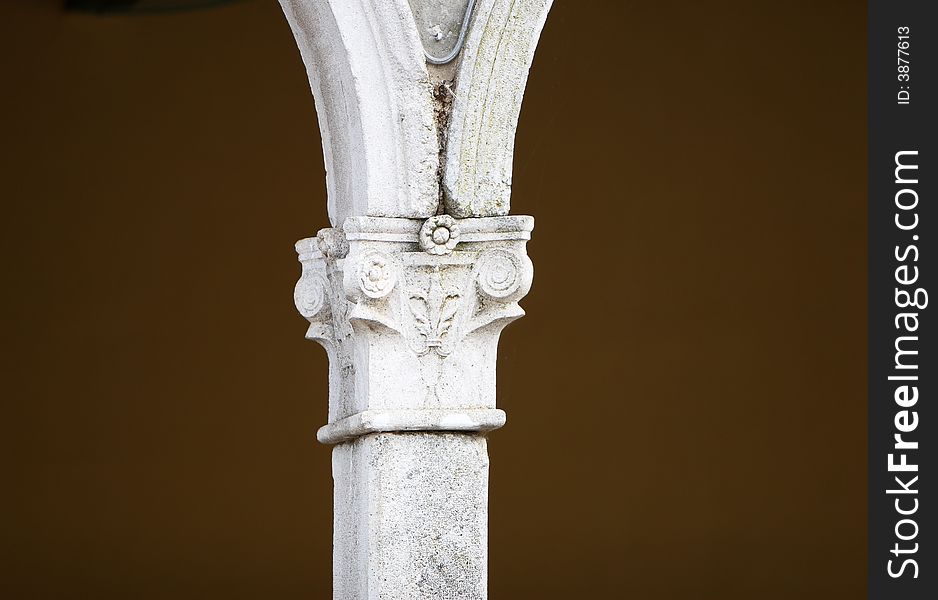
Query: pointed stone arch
[368,75]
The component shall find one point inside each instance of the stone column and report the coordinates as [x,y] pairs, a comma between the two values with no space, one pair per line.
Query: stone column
[418,101]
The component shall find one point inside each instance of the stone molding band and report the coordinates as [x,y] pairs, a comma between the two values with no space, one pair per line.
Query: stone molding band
[478,229]
[402,420]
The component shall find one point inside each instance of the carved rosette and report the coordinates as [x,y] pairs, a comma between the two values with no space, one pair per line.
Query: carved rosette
[410,312]
[439,235]
[376,275]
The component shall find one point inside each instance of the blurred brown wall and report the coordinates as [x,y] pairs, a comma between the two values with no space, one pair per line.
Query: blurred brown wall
[686,396]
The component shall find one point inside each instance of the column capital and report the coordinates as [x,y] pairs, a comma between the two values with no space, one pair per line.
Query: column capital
[410,313]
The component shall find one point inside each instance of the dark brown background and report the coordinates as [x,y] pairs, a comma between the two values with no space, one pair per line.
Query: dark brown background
[686,396]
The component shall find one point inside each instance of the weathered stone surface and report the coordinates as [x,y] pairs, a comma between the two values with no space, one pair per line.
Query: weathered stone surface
[374,99]
[382,117]
[491,78]
[411,517]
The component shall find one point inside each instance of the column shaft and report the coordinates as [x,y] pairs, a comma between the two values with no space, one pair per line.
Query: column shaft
[411,517]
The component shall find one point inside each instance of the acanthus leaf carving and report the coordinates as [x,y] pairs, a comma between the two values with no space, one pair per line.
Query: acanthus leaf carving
[433,304]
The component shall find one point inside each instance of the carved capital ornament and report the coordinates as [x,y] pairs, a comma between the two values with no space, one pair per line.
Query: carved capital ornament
[428,321]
